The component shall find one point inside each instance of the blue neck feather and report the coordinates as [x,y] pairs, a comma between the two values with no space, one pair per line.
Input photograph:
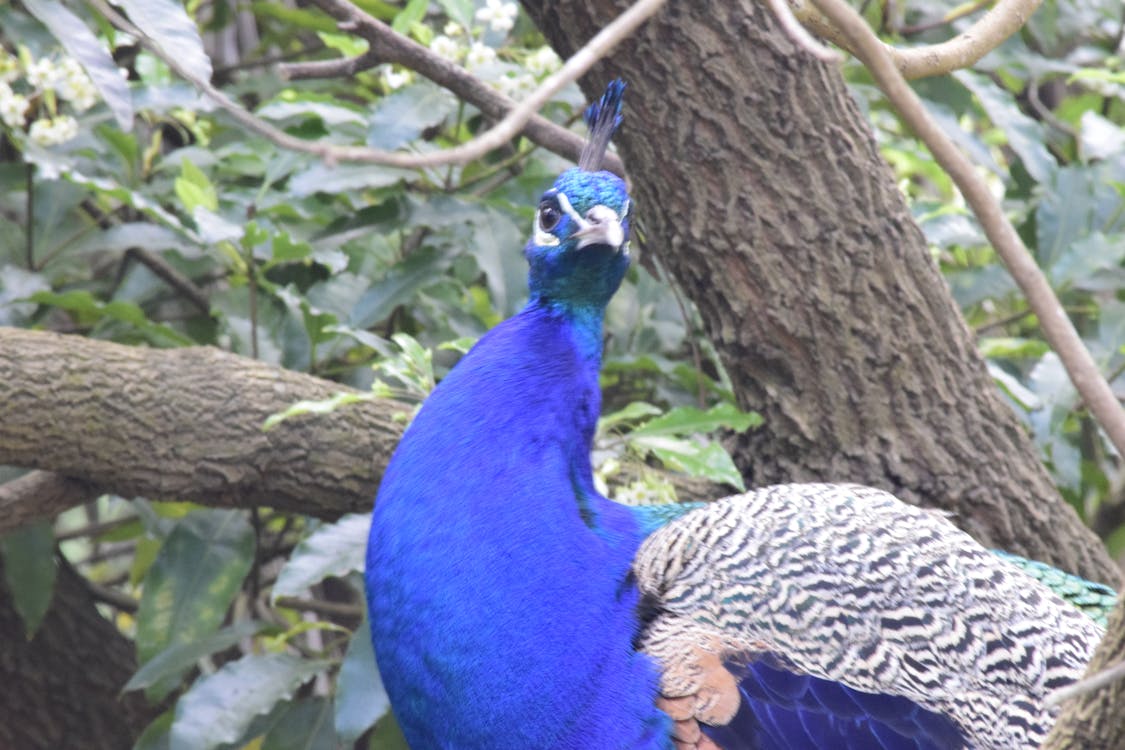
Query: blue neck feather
[497,575]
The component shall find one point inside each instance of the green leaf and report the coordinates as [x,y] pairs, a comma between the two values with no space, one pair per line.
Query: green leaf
[155,736]
[81,44]
[329,113]
[1012,348]
[631,413]
[461,11]
[414,12]
[494,240]
[1025,135]
[54,164]
[89,310]
[419,270]
[361,698]
[173,661]
[286,249]
[305,18]
[402,116]
[326,406]
[194,579]
[219,707]
[29,569]
[710,461]
[306,725]
[687,420]
[194,189]
[334,549]
[121,237]
[348,45]
[1014,389]
[344,178]
[168,24]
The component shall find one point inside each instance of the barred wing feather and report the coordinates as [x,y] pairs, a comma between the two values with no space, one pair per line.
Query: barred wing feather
[794,613]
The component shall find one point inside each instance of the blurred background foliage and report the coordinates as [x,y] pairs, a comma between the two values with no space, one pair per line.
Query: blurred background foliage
[132,210]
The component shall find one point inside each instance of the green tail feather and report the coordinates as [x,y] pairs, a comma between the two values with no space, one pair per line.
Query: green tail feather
[1095,599]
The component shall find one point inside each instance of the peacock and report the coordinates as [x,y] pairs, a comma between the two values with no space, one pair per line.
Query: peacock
[512,605]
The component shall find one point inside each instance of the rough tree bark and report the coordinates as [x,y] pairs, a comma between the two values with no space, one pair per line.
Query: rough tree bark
[760,186]
[186,424]
[61,689]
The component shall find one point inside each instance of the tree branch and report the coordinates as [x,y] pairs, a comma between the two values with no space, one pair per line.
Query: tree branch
[180,423]
[39,495]
[1005,19]
[1057,327]
[510,126]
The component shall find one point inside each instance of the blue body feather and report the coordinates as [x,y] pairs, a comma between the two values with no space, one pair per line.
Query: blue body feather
[487,520]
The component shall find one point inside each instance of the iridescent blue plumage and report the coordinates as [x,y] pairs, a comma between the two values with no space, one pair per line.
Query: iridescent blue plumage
[501,610]
[513,606]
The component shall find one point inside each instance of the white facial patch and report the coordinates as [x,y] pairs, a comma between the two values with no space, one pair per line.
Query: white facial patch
[600,226]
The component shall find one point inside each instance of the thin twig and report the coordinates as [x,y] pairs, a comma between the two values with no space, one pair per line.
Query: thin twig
[94,529]
[336,68]
[502,132]
[800,35]
[948,18]
[332,609]
[29,231]
[171,276]
[1057,327]
[988,33]
[1045,112]
[112,597]
[1086,685]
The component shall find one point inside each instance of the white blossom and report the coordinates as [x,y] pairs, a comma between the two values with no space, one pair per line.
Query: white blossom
[13,107]
[42,73]
[75,86]
[515,87]
[452,28]
[479,54]
[499,15]
[396,79]
[51,132]
[543,61]
[443,46]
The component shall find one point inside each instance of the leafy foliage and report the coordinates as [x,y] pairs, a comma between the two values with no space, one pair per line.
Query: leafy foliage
[176,226]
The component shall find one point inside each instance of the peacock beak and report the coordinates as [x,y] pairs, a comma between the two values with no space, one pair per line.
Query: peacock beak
[602,227]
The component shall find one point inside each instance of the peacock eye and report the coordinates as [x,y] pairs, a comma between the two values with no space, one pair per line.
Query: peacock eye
[549,216]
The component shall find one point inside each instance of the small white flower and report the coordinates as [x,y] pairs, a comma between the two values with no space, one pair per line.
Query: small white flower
[52,132]
[515,87]
[479,54]
[13,107]
[543,61]
[499,15]
[75,86]
[396,79]
[42,73]
[452,28]
[444,47]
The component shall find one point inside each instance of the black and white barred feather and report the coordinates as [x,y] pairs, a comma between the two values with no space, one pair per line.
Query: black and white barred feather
[850,584]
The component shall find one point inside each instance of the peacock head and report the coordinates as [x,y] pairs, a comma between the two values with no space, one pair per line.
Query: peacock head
[579,248]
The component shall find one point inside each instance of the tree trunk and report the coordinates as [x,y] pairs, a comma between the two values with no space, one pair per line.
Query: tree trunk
[62,689]
[760,186]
